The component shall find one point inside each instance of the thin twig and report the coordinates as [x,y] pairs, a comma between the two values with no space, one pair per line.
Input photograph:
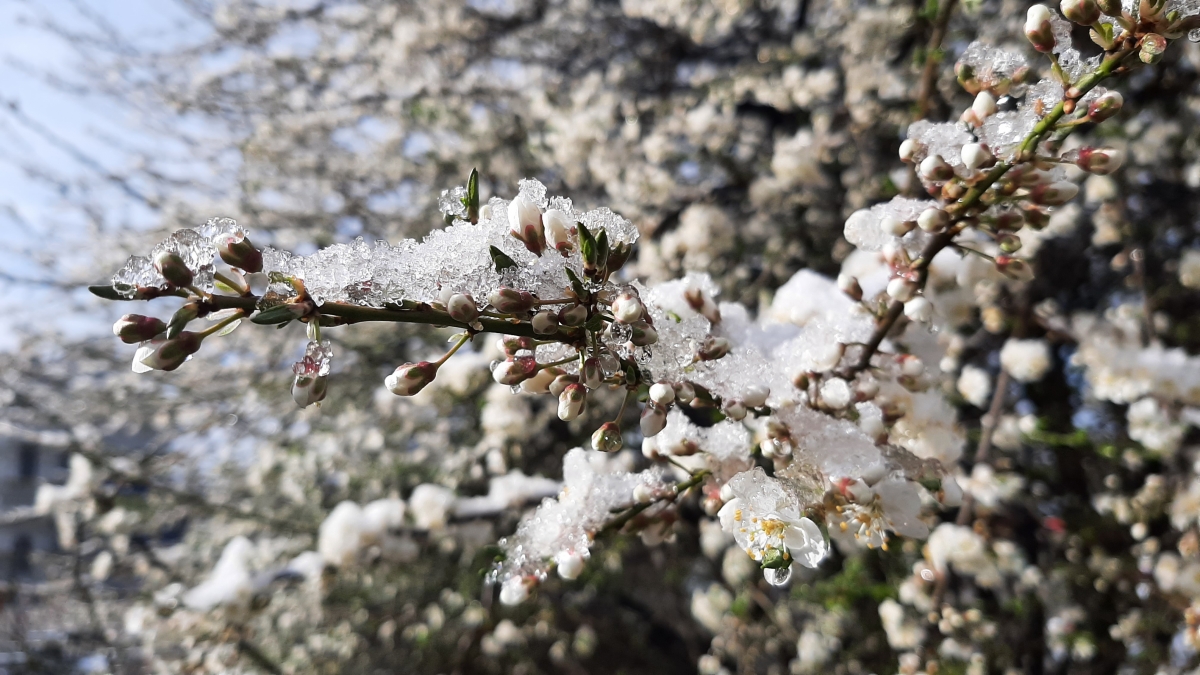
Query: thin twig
[933,58]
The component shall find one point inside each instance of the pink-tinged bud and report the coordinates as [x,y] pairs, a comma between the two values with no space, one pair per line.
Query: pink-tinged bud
[1014,268]
[643,334]
[510,344]
[607,438]
[237,251]
[976,156]
[1101,161]
[171,265]
[713,349]
[901,289]
[1105,106]
[984,105]
[525,223]
[410,378]
[755,396]
[515,371]
[654,418]
[734,410]
[1082,12]
[558,231]
[561,382]
[702,304]
[896,227]
[571,402]
[685,393]
[592,376]
[1154,46]
[1054,194]
[918,309]
[511,301]
[908,150]
[662,393]
[575,315]
[1038,29]
[309,389]
[545,322]
[540,383]
[935,168]
[461,307]
[162,354]
[850,286]
[627,308]
[135,328]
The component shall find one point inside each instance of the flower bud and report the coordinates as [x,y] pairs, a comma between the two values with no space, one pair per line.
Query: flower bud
[918,309]
[1105,106]
[1153,48]
[515,590]
[1009,242]
[571,401]
[561,382]
[643,494]
[908,150]
[910,365]
[525,223]
[755,396]
[575,315]
[515,371]
[545,322]
[510,344]
[713,349]
[237,251]
[569,564]
[511,301]
[901,289]
[654,418]
[462,308]
[935,168]
[734,410]
[850,286]
[896,227]
[1110,7]
[135,328]
[933,220]
[618,255]
[976,156]
[1054,194]
[309,389]
[607,438]
[171,265]
[1014,268]
[410,378]
[662,393]
[643,334]
[627,308]
[1082,12]
[984,105]
[558,231]
[592,377]
[1100,161]
[685,392]
[702,304]
[1038,29]
[541,381]
[163,354]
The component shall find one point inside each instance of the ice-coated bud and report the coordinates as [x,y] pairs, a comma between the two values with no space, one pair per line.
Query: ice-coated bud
[1100,161]
[511,301]
[662,393]
[685,393]
[901,289]
[592,376]
[515,371]
[1153,48]
[545,322]
[237,251]
[755,396]
[933,220]
[935,168]
[607,438]
[734,409]
[702,304]
[1038,29]
[643,334]
[525,223]
[1105,106]
[558,231]
[575,315]
[1054,194]
[984,105]
[908,150]
[569,564]
[171,265]
[461,307]
[654,418]
[571,401]
[163,354]
[410,378]
[1082,12]
[713,348]
[627,308]
[919,309]
[135,328]
[540,382]
[896,227]
[850,286]
[975,156]
[309,389]
[515,590]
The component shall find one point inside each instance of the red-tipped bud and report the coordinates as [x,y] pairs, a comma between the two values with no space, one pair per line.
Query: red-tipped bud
[561,382]
[559,231]
[545,322]
[511,301]
[626,308]
[237,251]
[1102,161]
[162,354]
[1105,106]
[515,371]
[461,307]
[1038,29]
[525,223]
[713,349]
[411,378]
[571,402]
[654,418]
[607,438]
[135,328]
[1082,12]
[1054,194]
[171,265]
[510,344]
[702,304]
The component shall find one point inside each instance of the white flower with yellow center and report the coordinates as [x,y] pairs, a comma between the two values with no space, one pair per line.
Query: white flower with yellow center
[764,518]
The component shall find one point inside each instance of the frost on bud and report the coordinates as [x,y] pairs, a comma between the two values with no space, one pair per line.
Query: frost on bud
[850,286]
[654,418]
[171,265]
[702,304]
[901,289]
[309,389]
[662,393]
[935,168]
[1101,161]
[1038,29]
[1105,106]
[515,371]
[515,590]
[569,564]
[1054,194]
[558,231]
[607,438]
[163,354]
[525,223]
[976,156]
[643,334]
[627,308]
[984,105]
[462,308]
[896,227]
[919,309]
[312,374]
[237,251]
[933,220]
[575,315]
[592,376]
[713,349]
[545,322]
[135,328]
[410,378]
[1082,12]
[511,301]
[908,150]
[571,402]
[1153,48]
[734,409]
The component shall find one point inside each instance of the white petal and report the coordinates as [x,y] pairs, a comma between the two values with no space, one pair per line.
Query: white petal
[726,514]
[806,543]
[144,350]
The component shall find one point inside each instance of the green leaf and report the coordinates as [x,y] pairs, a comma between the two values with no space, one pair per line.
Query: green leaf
[473,197]
[279,314]
[179,320]
[602,250]
[501,259]
[576,284]
[105,291]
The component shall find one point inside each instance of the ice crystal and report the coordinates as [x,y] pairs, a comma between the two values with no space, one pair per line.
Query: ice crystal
[863,226]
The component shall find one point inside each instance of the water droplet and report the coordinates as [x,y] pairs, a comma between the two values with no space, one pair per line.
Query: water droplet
[1194,35]
[778,577]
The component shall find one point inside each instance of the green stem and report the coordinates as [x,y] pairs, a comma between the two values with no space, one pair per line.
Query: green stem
[632,512]
[466,337]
